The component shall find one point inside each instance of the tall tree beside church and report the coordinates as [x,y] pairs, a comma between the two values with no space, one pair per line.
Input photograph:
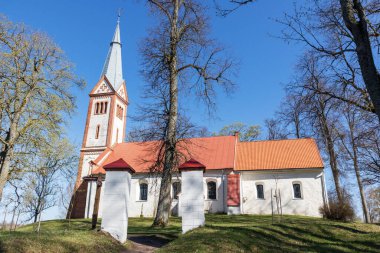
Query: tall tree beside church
[353,134]
[357,21]
[35,82]
[343,31]
[320,113]
[178,56]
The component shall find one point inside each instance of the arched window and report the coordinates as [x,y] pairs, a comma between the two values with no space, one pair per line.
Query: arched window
[105,107]
[297,192]
[117,135]
[97,132]
[96,108]
[101,107]
[176,189]
[211,190]
[143,191]
[119,112]
[260,191]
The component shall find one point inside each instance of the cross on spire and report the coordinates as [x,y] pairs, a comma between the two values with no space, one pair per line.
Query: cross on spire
[119,14]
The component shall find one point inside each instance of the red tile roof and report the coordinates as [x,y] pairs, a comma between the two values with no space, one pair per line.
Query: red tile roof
[219,153]
[118,165]
[214,152]
[278,154]
[191,164]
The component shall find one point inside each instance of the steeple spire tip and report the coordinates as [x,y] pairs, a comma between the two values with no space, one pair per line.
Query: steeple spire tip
[113,67]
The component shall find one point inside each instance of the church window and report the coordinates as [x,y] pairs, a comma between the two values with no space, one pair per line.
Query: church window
[176,189]
[143,191]
[97,132]
[260,191]
[119,112]
[105,107]
[297,190]
[211,190]
[101,107]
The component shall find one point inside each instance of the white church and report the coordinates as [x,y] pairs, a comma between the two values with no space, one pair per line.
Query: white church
[238,177]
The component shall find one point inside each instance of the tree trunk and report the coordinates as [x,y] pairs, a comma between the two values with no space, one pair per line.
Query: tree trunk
[297,124]
[39,222]
[35,217]
[18,216]
[357,173]
[330,150]
[5,218]
[6,156]
[13,219]
[164,201]
[362,194]
[356,21]
[5,167]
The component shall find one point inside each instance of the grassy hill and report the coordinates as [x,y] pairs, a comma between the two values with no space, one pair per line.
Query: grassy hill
[243,233]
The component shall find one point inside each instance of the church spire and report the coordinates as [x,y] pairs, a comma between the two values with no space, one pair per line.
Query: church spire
[116,36]
[113,66]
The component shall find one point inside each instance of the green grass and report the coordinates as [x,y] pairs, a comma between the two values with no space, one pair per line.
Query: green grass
[250,233]
[243,233]
[58,236]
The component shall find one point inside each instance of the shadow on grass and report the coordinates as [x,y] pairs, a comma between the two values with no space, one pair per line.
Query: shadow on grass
[156,241]
[246,233]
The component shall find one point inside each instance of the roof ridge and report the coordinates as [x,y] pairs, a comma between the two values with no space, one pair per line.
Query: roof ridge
[293,139]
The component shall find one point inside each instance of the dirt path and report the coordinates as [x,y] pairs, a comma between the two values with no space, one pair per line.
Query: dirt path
[146,243]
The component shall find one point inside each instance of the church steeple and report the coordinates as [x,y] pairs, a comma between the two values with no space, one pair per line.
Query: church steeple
[105,123]
[113,66]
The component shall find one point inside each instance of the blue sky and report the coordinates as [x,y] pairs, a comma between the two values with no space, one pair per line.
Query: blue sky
[84,29]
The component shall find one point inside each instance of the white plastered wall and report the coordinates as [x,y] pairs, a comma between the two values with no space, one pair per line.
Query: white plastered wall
[147,208]
[90,199]
[311,181]
[219,204]
[118,124]
[115,213]
[191,199]
[95,120]
[87,158]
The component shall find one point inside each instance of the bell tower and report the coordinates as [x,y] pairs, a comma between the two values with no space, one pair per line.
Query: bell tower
[106,118]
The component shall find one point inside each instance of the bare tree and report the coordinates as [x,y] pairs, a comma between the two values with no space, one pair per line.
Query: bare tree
[226,7]
[374,203]
[179,56]
[343,31]
[292,115]
[321,28]
[320,112]
[44,180]
[35,82]
[275,129]
[17,201]
[357,19]
[370,156]
[352,133]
